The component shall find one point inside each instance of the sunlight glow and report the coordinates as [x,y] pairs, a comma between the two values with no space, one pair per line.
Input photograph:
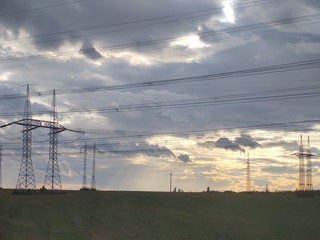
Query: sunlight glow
[5,76]
[191,41]
[228,11]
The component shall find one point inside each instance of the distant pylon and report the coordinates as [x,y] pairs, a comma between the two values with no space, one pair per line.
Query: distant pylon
[309,168]
[93,183]
[84,180]
[301,186]
[170,182]
[52,180]
[26,176]
[0,166]
[248,185]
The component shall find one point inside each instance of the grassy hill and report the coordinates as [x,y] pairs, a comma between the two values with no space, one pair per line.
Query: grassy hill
[147,215]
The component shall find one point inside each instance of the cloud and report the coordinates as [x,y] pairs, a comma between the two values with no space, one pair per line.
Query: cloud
[287,145]
[237,145]
[279,169]
[315,151]
[184,158]
[208,144]
[145,149]
[90,51]
[246,141]
[228,145]
[65,170]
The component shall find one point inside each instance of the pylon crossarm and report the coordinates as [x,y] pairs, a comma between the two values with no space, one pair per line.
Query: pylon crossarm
[45,124]
[35,123]
[76,131]
[304,154]
[8,124]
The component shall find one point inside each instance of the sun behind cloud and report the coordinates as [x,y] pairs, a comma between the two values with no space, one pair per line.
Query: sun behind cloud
[191,41]
[228,11]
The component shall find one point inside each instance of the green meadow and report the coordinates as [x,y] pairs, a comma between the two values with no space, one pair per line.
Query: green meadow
[153,215]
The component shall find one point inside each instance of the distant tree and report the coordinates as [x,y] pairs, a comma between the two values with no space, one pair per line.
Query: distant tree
[175,189]
[208,189]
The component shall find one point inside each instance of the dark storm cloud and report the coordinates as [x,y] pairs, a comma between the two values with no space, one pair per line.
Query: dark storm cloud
[228,145]
[51,27]
[41,25]
[208,144]
[90,51]
[140,149]
[184,158]
[247,141]
[236,145]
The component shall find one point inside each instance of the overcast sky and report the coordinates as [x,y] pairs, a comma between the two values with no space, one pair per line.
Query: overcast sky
[182,87]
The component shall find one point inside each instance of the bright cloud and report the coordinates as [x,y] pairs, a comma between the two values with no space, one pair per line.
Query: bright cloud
[228,12]
[192,41]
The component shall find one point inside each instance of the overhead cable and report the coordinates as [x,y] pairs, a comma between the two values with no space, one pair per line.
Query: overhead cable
[293,66]
[167,39]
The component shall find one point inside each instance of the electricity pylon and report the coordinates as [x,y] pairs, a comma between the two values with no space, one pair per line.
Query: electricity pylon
[301,154]
[93,182]
[26,179]
[84,180]
[87,149]
[52,180]
[308,154]
[248,182]
[0,166]
[301,186]
[305,170]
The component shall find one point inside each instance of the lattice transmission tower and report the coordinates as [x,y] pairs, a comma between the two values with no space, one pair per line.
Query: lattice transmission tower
[302,175]
[93,182]
[26,178]
[0,166]
[52,180]
[308,155]
[84,179]
[248,179]
[86,150]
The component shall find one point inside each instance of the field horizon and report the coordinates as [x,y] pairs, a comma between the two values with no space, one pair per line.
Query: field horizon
[158,215]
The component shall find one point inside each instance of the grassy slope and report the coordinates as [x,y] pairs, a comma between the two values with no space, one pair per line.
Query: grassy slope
[141,215]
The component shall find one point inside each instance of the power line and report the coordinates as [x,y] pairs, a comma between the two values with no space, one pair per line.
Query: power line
[204,13]
[213,100]
[170,39]
[208,101]
[210,33]
[141,135]
[293,66]
[188,132]
[115,146]
[166,105]
[39,8]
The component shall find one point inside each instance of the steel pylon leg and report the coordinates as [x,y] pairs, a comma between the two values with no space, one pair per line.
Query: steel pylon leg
[26,178]
[52,180]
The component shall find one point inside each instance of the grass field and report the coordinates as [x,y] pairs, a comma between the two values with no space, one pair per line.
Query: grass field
[149,215]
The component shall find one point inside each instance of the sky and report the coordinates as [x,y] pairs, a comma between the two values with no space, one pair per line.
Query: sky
[185,87]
